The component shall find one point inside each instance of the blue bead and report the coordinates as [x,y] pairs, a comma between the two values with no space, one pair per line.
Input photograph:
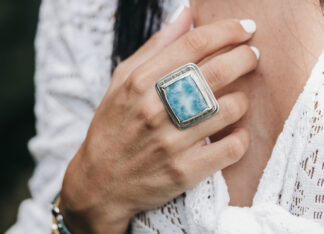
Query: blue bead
[185,98]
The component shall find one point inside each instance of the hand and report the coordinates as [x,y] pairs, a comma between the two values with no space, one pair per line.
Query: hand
[134,158]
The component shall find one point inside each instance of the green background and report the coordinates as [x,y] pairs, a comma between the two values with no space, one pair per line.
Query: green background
[18,21]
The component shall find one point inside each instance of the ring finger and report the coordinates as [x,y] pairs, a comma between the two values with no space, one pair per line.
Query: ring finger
[219,72]
[226,68]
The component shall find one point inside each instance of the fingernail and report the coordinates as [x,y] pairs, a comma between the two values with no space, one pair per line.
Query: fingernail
[256,51]
[173,17]
[248,25]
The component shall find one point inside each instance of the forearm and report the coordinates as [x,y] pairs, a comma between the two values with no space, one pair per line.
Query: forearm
[79,209]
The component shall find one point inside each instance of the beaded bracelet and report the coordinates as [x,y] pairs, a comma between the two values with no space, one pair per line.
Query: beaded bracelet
[58,226]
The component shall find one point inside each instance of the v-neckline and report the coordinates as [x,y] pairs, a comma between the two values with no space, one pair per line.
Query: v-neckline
[283,161]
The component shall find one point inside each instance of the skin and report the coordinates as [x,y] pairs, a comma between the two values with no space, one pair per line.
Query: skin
[286,38]
[129,161]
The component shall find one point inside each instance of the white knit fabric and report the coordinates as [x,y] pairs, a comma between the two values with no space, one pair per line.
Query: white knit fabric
[74,44]
[290,196]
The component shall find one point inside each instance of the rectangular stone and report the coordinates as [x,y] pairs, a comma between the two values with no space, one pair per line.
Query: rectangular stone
[185,98]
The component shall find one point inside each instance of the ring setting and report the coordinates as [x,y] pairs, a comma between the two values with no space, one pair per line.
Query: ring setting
[187,96]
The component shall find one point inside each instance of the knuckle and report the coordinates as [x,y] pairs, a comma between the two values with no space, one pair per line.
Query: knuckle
[231,110]
[217,72]
[177,175]
[135,82]
[166,143]
[196,40]
[213,74]
[146,115]
[165,146]
[236,148]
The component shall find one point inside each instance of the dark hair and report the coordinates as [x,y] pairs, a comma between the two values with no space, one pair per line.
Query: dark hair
[136,21]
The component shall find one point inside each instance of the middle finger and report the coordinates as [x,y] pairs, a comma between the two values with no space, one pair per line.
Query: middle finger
[192,47]
[226,68]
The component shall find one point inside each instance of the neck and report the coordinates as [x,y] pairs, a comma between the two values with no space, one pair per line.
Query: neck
[295,28]
[290,36]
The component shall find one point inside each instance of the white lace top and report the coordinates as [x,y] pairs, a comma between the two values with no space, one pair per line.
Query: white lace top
[74,44]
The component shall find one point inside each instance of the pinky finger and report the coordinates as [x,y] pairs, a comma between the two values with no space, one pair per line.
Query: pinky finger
[203,161]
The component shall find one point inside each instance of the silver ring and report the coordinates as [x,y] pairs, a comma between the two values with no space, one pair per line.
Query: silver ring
[187,96]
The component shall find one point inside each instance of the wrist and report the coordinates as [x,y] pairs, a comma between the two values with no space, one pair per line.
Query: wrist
[90,221]
[83,211]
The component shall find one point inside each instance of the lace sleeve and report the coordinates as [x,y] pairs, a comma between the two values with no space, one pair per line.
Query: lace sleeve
[73,45]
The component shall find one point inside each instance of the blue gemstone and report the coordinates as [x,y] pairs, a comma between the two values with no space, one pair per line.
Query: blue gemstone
[185,98]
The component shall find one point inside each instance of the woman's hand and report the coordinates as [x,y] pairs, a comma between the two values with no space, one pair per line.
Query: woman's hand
[134,158]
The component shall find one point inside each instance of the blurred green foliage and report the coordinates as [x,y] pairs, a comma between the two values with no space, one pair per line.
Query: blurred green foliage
[18,21]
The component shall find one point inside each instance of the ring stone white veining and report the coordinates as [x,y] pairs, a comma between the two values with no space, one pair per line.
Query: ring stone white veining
[187,96]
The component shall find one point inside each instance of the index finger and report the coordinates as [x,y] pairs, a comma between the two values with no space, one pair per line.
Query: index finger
[153,46]
[193,47]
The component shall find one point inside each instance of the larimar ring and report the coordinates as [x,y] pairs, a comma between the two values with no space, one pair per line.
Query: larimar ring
[187,96]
